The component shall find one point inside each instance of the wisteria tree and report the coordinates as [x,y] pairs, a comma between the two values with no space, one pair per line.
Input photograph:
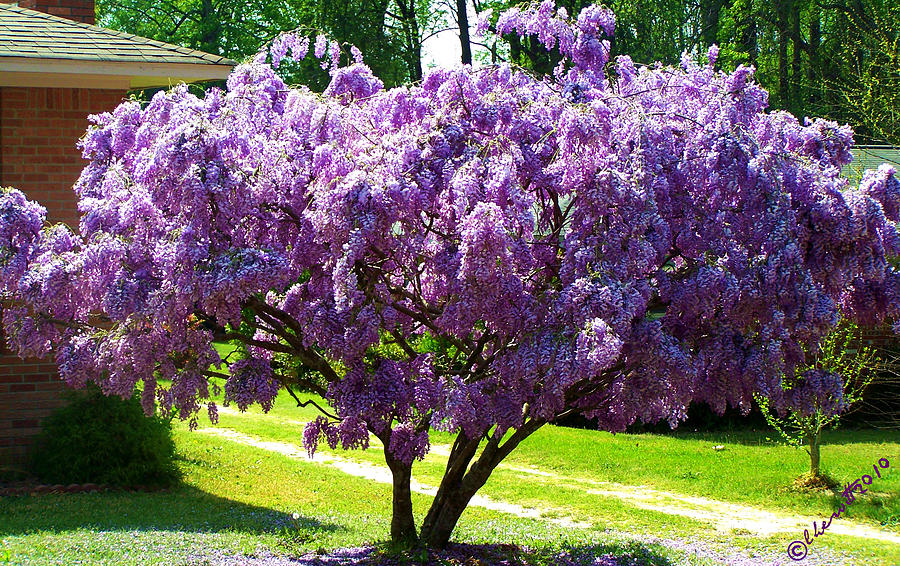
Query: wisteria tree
[481,253]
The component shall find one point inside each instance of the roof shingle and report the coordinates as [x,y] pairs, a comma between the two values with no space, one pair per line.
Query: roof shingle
[870,157]
[31,34]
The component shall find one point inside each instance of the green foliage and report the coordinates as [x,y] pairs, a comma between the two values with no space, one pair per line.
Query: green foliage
[105,440]
[871,84]
[840,60]
[238,28]
[840,352]
[230,28]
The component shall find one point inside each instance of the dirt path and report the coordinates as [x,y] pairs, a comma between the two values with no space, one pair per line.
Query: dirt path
[724,516]
[382,474]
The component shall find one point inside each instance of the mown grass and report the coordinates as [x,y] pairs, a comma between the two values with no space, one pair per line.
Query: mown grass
[751,470]
[239,499]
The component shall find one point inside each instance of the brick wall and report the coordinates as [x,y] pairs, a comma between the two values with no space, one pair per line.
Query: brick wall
[29,391]
[39,128]
[78,10]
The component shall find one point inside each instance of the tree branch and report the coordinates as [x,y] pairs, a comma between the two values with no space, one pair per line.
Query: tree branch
[310,402]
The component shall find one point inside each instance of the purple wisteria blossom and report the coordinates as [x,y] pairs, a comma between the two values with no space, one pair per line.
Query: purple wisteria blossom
[480,253]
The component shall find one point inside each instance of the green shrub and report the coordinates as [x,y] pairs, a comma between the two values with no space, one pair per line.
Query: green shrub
[105,440]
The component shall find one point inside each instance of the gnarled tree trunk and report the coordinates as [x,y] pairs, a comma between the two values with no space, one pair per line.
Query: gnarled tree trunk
[461,482]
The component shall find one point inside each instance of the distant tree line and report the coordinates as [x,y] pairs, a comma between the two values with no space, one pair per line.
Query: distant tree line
[834,58]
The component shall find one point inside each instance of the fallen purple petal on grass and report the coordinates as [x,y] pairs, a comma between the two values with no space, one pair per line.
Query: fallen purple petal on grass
[511,555]
[455,555]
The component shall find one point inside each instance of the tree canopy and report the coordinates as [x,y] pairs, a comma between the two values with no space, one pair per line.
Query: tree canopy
[838,59]
[480,253]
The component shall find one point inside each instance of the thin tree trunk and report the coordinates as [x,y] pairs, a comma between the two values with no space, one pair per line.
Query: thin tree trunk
[812,441]
[710,11]
[784,89]
[407,9]
[796,61]
[749,37]
[815,75]
[211,28]
[515,48]
[462,17]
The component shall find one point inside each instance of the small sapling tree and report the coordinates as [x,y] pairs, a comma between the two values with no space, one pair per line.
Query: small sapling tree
[842,353]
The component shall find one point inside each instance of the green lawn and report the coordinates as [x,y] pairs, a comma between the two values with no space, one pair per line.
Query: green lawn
[239,499]
[751,470]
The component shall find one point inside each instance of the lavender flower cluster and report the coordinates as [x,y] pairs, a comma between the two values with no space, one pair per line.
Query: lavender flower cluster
[618,247]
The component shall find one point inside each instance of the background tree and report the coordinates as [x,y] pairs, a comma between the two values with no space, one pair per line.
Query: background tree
[839,59]
[237,29]
[836,59]
[481,253]
[646,30]
[223,27]
[458,12]
[841,352]
[414,21]
[869,84]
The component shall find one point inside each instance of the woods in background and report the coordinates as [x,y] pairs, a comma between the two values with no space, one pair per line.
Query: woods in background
[834,58]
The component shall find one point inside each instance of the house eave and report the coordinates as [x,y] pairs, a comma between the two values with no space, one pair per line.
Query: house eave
[77,73]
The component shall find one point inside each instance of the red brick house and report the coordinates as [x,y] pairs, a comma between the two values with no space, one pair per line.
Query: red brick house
[56,69]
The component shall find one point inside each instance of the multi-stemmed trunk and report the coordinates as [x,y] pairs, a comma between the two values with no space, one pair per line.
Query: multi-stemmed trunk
[457,487]
[460,483]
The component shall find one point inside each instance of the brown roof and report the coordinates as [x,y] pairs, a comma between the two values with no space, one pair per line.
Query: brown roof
[27,33]
[32,41]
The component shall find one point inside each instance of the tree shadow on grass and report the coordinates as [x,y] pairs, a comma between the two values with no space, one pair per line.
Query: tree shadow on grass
[183,508]
[768,437]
